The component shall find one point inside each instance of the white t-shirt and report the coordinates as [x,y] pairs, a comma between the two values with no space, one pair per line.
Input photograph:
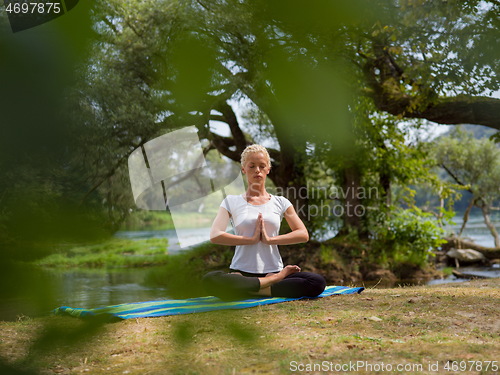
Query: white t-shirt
[259,257]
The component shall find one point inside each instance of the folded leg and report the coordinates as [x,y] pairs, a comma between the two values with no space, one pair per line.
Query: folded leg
[230,286]
[300,284]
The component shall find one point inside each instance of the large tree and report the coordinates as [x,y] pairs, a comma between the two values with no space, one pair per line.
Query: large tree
[304,66]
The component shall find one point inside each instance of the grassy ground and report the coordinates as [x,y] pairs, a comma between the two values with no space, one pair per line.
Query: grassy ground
[454,324]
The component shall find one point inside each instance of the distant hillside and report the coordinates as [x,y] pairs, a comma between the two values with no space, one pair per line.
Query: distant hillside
[478,131]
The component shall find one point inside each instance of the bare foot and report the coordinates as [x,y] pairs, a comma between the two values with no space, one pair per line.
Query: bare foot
[288,270]
[272,278]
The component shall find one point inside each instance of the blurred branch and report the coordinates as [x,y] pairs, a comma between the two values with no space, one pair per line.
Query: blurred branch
[110,24]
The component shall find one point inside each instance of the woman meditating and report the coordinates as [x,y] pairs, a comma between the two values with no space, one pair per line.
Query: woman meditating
[257,267]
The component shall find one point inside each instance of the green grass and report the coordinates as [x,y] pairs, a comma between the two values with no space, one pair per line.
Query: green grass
[113,253]
[447,271]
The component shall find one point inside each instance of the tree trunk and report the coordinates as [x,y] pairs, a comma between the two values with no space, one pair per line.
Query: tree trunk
[354,211]
[466,216]
[385,182]
[486,214]
[290,180]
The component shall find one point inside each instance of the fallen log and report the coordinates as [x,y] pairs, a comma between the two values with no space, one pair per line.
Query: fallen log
[460,243]
[462,275]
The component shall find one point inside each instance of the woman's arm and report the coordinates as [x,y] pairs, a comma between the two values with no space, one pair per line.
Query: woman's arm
[297,235]
[219,236]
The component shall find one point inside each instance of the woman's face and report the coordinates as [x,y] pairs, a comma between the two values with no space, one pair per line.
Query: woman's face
[256,167]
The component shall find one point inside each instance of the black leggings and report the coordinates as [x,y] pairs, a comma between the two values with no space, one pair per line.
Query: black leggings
[229,286]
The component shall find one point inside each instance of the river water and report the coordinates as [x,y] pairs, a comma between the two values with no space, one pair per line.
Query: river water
[476,230]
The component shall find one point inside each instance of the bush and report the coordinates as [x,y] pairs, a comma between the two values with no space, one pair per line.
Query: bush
[407,237]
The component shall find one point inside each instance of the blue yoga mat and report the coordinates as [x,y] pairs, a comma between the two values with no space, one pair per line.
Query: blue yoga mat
[186,306]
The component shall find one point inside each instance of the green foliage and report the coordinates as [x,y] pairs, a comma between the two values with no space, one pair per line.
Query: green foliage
[41,190]
[329,255]
[258,123]
[301,78]
[155,67]
[406,237]
[392,164]
[444,47]
[448,271]
[473,163]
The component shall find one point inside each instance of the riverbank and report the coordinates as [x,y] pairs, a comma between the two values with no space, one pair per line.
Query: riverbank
[337,260]
[112,253]
[179,275]
[426,327]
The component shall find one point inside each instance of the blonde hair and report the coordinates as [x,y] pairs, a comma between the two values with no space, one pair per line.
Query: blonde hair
[252,149]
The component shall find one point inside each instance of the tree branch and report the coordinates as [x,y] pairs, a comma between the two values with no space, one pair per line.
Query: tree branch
[384,78]
[457,180]
[223,145]
[229,117]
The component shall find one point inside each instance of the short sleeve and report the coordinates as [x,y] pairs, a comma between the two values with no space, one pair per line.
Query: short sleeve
[225,204]
[230,203]
[284,203]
